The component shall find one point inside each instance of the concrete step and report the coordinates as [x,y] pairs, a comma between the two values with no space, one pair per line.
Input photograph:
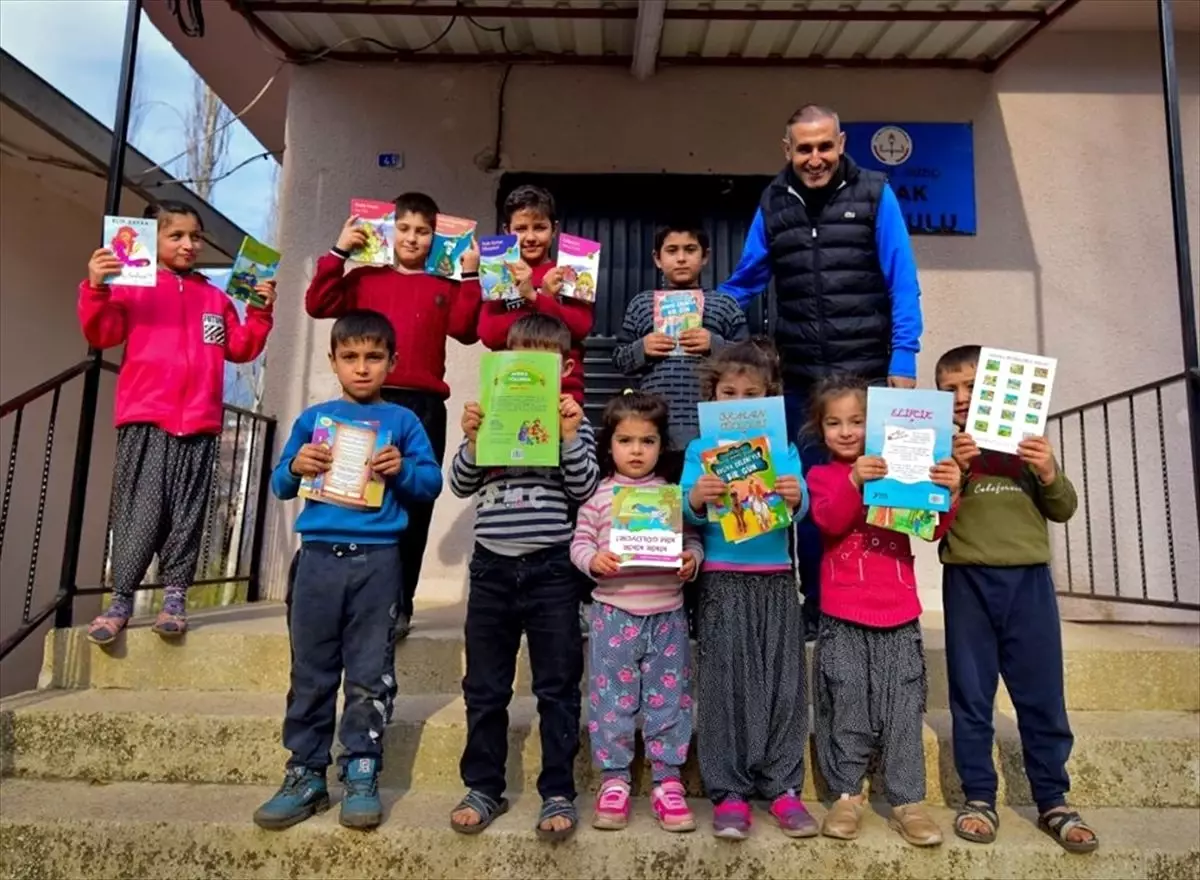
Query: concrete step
[1119,668]
[1141,759]
[76,830]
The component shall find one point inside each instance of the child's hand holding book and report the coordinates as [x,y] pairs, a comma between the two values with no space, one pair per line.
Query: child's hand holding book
[658,345]
[696,341]
[947,474]
[523,279]
[868,468]
[687,565]
[312,460]
[709,489]
[605,564]
[552,284]
[964,450]
[789,490]
[1038,455]
[472,419]
[266,291]
[470,258]
[570,417]
[103,264]
[387,461]
[352,237]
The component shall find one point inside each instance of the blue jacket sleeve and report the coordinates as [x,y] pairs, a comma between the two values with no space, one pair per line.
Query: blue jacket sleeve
[900,269]
[791,466]
[284,483]
[753,272]
[420,477]
[692,471]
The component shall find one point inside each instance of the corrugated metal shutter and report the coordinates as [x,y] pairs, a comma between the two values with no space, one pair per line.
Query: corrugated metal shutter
[621,211]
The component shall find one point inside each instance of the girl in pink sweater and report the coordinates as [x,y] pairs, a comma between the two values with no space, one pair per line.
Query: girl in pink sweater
[869,666]
[640,655]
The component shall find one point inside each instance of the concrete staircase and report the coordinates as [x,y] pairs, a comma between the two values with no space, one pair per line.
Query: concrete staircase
[148,760]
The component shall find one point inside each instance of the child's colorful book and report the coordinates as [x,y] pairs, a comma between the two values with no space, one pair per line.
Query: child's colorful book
[496,252]
[349,480]
[647,526]
[723,421]
[255,264]
[133,241]
[751,507]
[918,523]
[911,430]
[378,221]
[1011,398]
[451,239]
[676,311]
[579,259]
[519,399]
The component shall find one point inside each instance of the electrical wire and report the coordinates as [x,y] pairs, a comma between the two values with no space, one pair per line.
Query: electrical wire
[502,30]
[224,174]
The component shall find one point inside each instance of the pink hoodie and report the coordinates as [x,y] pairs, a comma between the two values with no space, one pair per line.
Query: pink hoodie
[178,335]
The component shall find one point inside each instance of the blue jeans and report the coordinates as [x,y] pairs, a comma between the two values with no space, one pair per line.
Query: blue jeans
[806,537]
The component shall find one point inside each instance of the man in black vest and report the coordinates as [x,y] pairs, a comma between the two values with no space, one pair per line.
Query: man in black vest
[846,298]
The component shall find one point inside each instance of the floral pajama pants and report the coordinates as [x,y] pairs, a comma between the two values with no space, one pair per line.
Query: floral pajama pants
[639,665]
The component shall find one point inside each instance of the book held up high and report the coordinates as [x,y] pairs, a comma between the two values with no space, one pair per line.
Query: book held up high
[519,399]
[255,264]
[496,252]
[378,221]
[579,259]
[451,239]
[1011,399]
[134,242]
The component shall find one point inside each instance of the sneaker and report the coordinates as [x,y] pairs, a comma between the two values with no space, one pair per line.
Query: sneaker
[793,817]
[612,806]
[360,802]
[303,794]
[669,802]
[731,819]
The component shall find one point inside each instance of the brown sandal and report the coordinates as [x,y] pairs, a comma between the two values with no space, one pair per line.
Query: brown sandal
[170,626]
[1058,823]
[980,811]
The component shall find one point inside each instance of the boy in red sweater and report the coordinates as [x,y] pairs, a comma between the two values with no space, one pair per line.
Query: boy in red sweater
[529,214]
[423,309]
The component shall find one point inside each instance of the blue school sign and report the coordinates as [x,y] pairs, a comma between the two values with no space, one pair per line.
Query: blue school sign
[930,166]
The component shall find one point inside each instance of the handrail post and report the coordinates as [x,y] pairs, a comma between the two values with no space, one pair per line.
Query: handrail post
[254,585]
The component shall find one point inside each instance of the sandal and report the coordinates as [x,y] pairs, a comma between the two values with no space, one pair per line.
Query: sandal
[170,626]
[488,809]
[552,808]
[1058,823]
[105,629]
[980,811]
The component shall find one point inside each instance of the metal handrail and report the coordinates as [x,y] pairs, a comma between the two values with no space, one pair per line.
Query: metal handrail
[27,397]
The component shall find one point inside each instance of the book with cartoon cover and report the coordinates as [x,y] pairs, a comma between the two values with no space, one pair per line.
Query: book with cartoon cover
[918,523]
[519,399]
[751,507]
[378,221]
[255,264]
[911,430]
[134,242]
[496,252]
[647,526]
[723,421]
[676,311]
[1011,399]
[349,481]
[451,239]
[579,259]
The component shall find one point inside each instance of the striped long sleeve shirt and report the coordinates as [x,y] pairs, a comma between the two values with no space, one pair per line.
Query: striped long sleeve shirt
[522,510]
[674,377]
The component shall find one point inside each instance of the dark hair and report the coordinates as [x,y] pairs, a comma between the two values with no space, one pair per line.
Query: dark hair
[814,113]
[362,325]
[962,356]
[536,330]
[417,203]
[756,355]
[637,405]
[530,198]
[170,208]
[828,390]
[683,227]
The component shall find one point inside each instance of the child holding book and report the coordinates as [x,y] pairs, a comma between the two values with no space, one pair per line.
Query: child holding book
[869,665]
[424,310]
[530,215]
[666,365]
[640,654]
[1002,620]
[522,582]
[177,337]
[751,716]
[345,594]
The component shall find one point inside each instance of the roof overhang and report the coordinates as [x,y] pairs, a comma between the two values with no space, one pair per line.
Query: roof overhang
[44,132]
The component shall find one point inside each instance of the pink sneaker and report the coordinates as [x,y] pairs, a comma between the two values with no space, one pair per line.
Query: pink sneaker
[669,802]
[612,806]
[731,819]
[793,817]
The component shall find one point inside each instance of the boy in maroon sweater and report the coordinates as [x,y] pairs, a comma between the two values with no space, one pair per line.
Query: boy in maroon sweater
[423,309]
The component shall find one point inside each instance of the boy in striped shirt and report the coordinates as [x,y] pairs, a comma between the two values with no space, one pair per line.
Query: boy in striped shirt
[522,581]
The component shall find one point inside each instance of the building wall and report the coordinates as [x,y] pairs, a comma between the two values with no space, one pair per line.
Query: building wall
[1074,253]
[45,239]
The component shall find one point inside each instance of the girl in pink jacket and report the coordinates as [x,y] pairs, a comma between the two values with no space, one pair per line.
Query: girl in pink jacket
[177,337]
[869,665]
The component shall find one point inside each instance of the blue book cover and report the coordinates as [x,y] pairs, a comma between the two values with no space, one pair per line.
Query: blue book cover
[911,430]
[723,421]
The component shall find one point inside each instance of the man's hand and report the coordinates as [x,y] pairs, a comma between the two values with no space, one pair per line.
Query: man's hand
[352,237]
[472,418]
[658,345]
[470,258]
[947,474]
[687,570]
[312,460]
[901,382]
[266,289]
[552,283]
[387,462]
[1036,452]
[696,341]
[570,417]
[708,490]
[965,450]
[102,265]
[788,488]
[867,468]
[523,279]
[605,564]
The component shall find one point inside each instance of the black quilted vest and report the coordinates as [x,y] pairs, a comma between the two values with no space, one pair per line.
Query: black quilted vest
[832,312]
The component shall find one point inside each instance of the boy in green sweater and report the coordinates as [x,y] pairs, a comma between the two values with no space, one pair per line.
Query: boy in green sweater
[1001,618]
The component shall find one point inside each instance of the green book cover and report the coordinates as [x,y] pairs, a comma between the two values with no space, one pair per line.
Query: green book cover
[519,398]
[918,523]
[255,264]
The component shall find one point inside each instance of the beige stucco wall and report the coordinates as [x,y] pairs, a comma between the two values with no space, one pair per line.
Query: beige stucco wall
[45,239]
[1073,255]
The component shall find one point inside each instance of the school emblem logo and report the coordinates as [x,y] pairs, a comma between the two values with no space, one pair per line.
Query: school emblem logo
[891,145]
[214,329]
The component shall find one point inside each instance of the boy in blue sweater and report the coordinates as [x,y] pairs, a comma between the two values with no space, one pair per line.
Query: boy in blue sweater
[347,585]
